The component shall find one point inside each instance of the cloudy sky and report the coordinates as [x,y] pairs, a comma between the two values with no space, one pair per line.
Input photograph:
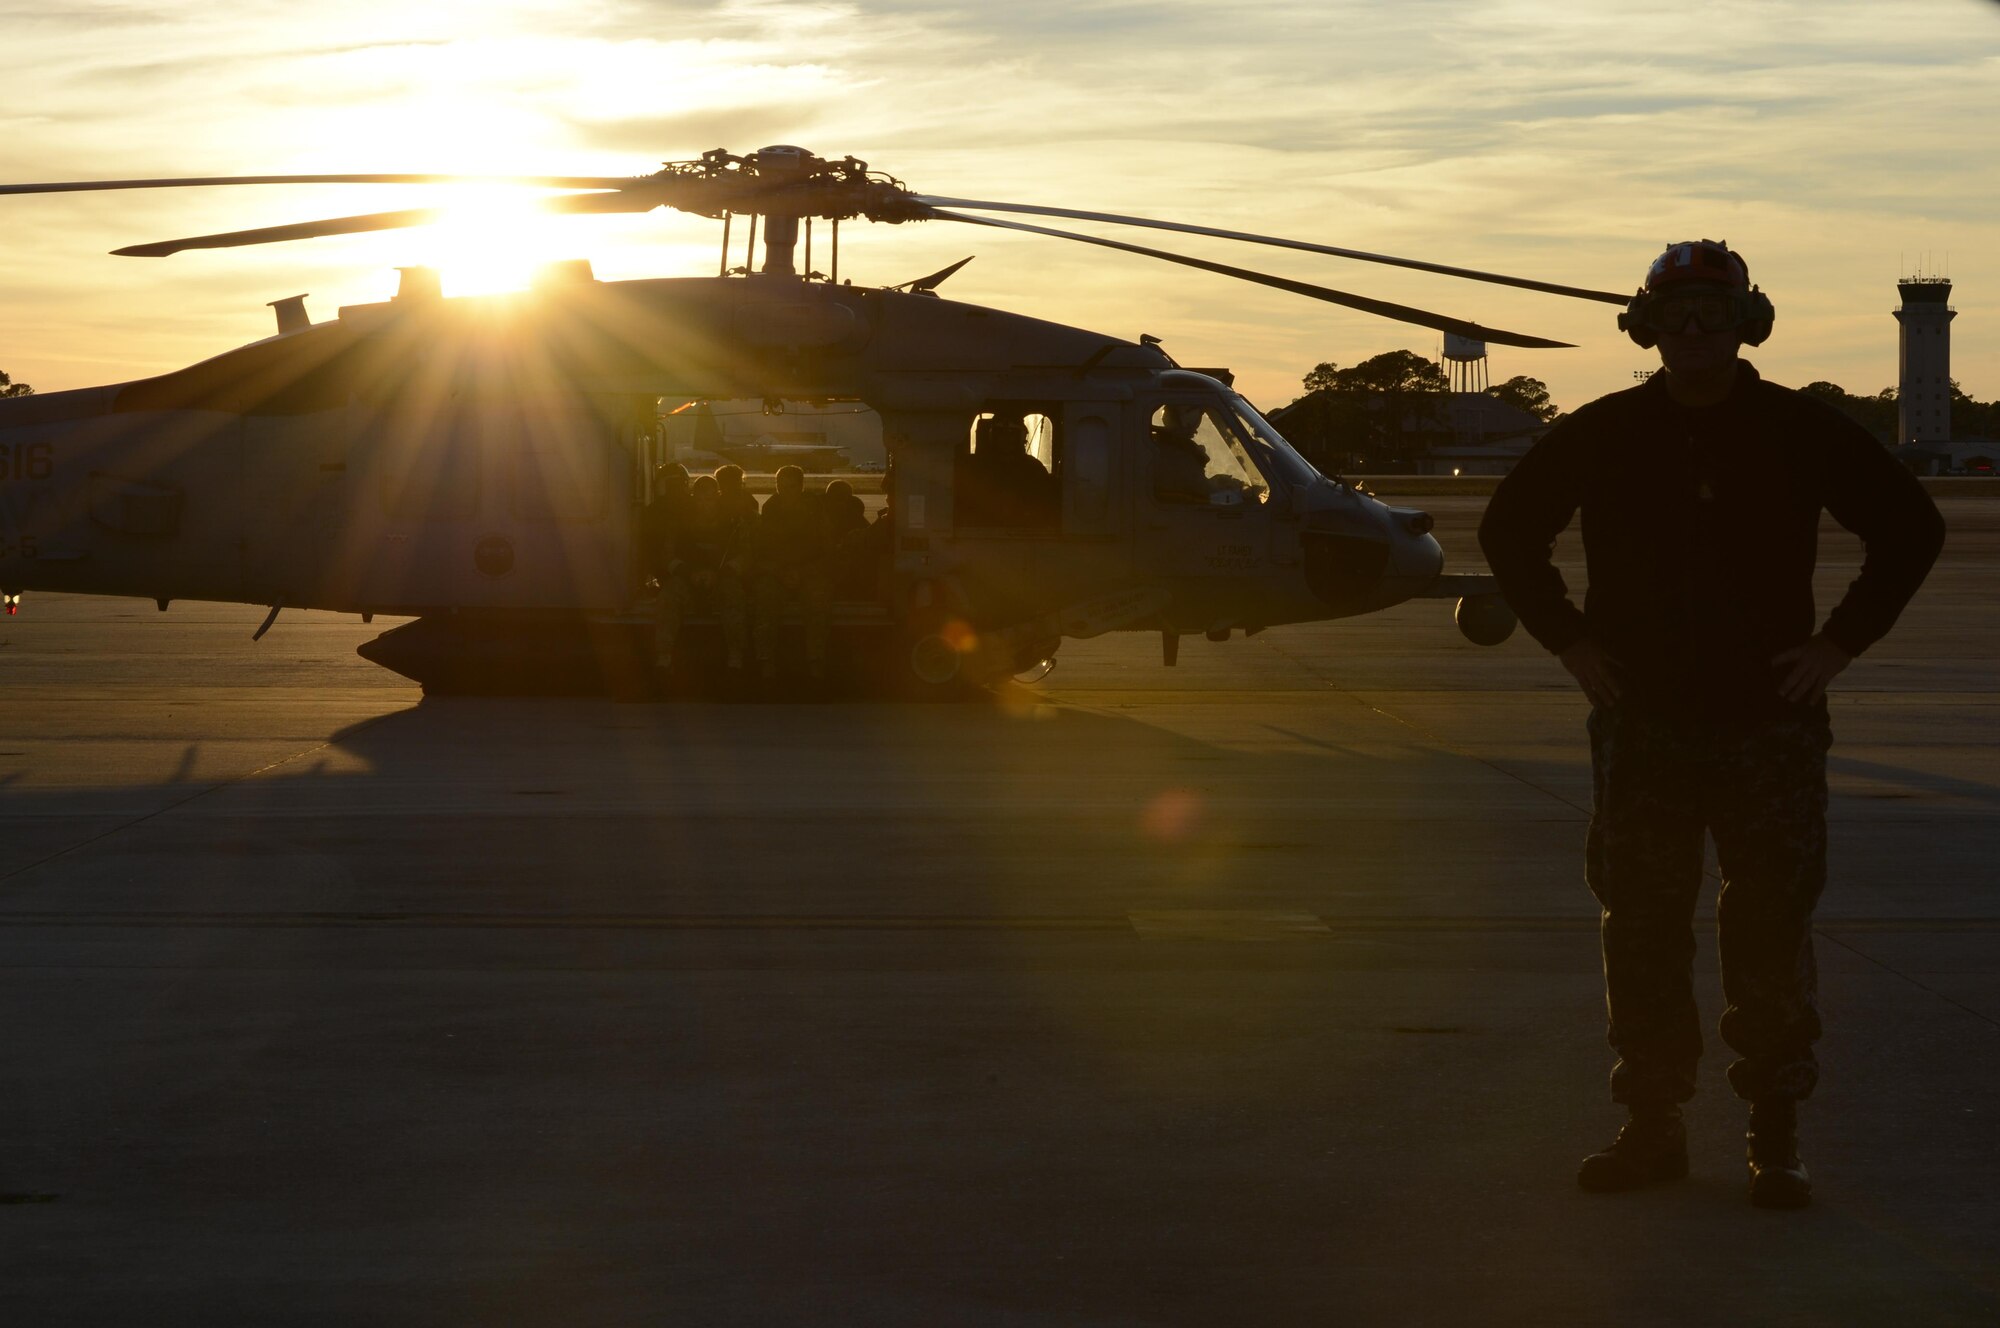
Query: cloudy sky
[1835,143]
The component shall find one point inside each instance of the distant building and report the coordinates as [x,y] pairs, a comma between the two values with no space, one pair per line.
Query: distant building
[1923,360]
[1451,433]
[1964,455]
[1487,436]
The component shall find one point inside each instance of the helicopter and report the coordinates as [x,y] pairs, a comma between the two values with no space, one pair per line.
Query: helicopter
[481,465]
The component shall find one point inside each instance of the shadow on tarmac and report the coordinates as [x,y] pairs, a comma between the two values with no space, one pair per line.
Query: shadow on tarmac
[568,1011]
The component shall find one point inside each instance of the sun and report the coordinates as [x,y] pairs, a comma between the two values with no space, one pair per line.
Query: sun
[493,240]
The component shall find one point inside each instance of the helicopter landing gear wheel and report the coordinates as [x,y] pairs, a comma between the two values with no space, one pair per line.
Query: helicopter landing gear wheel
[934,670]
[934,662]
[1029,654]
[1036,671]
[940,657]
[1485,620]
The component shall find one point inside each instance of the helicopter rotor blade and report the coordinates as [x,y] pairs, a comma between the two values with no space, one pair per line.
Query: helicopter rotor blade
[1471,274]
[207,181]
[1402,313]
[624,200]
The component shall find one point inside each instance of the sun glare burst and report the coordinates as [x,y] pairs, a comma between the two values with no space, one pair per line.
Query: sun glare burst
[495,240]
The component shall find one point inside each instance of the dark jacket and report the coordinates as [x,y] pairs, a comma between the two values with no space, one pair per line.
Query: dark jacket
[663,525]
[791,533]
[1700,530]
[707,539]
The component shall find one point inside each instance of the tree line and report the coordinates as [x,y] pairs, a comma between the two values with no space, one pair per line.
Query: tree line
[1877,414]
[1386,411]
[10,388]
[1390,409]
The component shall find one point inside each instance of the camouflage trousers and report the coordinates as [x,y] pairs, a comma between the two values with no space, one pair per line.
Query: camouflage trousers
[719,591]
[813,589]
[1660,782]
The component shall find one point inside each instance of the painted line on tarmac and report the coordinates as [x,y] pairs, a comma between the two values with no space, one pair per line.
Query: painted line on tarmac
[1208,924]
[1436,739]
[1150,923]
[1912,978]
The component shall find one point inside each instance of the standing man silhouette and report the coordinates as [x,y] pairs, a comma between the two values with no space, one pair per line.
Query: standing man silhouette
[1701,493]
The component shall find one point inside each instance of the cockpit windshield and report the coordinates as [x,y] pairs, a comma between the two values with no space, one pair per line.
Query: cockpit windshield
[1201,455]
[1240,446]
[1277,456]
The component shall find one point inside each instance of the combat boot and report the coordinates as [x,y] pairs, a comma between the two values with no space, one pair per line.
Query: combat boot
[1652,1147]
[1777,1178]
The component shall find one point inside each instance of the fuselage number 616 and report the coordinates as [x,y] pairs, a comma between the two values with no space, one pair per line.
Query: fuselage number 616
[26,461]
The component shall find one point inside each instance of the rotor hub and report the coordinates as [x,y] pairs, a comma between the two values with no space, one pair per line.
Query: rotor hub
[782,181]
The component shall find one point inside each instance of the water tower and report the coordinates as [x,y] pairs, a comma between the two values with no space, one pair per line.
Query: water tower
[1923,360]
[1465,362]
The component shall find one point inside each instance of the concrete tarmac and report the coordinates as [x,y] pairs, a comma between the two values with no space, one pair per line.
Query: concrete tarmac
[1262,990]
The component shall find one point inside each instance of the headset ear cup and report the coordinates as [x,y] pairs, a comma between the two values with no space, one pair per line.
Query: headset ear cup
[1633,326]
[1642,336]
[1758,329]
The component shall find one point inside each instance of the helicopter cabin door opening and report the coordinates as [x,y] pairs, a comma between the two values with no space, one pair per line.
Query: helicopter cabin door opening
[1032,471]
[1036,506]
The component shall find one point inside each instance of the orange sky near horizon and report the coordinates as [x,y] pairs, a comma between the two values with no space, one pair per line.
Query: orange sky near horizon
[1836,144]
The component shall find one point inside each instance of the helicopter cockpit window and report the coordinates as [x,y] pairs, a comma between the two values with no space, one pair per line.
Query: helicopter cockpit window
[1274,452]
[1005,479]
[1202,455]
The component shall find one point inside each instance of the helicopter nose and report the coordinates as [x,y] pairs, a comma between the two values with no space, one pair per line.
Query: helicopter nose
[1418,559]
[1361,554]
[1347,548]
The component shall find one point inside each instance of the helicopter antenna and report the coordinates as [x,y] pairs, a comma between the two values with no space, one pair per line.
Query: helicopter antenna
[926,285]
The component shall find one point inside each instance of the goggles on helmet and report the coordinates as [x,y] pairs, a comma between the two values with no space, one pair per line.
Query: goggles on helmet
[1709,310]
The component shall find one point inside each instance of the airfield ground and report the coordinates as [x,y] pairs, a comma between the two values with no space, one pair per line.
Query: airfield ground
[1259,991]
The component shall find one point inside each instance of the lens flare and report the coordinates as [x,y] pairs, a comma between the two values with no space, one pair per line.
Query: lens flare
[958,634]
[1173,815]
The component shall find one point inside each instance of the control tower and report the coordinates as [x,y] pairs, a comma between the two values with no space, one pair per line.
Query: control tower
[1923,360]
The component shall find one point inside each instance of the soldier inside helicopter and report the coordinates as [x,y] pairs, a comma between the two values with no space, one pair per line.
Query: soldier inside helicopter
[1001,483]
[1198,458]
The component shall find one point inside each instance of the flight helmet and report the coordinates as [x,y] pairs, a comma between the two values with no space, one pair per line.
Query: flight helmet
[1704,280]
